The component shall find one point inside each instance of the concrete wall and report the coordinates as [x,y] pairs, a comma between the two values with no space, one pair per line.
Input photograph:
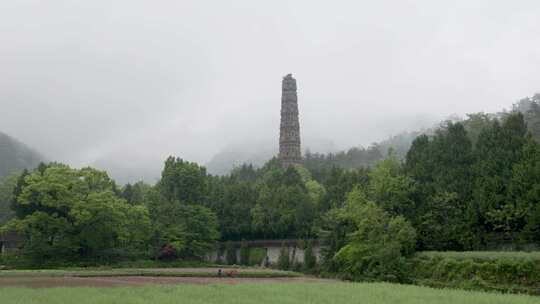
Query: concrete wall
[296,254]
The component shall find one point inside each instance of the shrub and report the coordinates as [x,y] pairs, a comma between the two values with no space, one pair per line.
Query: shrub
[284,262]
[14,261]
[230,254]
[256,256]
[167,253]
[490,271]
[310,261]
[220,253]
[296,266]
[379,245]
[482,255]
[244,253]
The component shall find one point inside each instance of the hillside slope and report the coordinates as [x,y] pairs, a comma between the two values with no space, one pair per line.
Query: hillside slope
[16,156]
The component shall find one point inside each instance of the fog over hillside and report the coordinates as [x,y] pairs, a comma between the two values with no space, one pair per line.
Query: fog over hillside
[121,85]
[257,152]
[15,156]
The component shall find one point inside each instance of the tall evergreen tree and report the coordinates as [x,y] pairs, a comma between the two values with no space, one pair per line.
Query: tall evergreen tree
[522,212]
[499,148]
[183,181]
[442,169]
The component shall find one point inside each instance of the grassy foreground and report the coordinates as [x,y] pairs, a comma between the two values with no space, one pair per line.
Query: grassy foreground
[365,293]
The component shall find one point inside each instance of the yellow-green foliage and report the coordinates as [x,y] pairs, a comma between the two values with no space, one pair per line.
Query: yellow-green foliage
[501,271]
[314,293]
[377,249]
[256,256]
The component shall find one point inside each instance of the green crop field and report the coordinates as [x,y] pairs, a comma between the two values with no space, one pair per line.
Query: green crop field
[369,293]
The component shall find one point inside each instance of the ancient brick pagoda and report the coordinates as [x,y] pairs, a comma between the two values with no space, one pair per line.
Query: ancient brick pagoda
[289,135]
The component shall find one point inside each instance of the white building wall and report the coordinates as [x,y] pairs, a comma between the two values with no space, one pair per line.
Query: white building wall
[296,254]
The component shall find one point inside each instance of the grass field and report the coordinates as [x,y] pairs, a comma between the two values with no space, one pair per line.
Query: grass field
[335,293]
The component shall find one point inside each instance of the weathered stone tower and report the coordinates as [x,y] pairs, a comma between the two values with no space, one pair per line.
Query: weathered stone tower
[289,135]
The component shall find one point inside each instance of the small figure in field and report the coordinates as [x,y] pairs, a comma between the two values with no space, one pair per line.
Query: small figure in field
[219,273]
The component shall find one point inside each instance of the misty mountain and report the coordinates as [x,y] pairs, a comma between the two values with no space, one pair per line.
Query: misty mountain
[225,161]
[130,173]
[316,156]
[318,153]
[322,155]
[258,152]
[16,156]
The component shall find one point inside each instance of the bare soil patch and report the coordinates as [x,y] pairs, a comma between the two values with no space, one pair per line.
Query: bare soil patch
[48,282]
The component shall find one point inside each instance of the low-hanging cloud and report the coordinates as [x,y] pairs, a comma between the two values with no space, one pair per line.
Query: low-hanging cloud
[129,82]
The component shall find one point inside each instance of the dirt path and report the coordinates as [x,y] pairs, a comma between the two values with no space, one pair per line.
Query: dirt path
[47,282]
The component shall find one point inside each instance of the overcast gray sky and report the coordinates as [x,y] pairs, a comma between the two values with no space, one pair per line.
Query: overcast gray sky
[134,81]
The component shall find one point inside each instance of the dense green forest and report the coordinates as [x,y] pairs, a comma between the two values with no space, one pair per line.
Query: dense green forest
[470,184]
